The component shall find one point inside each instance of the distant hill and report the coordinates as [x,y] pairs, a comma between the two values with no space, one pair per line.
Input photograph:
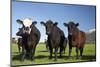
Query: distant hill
[91,36]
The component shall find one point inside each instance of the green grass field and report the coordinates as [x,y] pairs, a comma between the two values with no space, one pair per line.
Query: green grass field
[42,56]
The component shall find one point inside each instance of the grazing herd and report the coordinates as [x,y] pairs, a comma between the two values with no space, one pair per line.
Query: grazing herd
[56,39]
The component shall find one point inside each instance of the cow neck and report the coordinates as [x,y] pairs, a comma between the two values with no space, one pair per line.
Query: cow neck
[24,39]
[75,32]
[53,28]
[75,36]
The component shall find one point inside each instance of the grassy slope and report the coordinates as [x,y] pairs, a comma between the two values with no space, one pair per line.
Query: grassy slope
[41,55]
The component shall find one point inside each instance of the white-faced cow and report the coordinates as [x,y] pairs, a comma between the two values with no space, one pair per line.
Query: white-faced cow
[30,37]
[76,38]
[55,37]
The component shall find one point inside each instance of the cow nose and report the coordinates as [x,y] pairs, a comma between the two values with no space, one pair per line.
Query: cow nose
[27,28]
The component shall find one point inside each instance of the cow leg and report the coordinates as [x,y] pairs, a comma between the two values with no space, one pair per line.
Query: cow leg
[70,50]
[61,49]
[76,52]
[47,47]
[32,54]
[56,49]
[81,52]
[23,55]
[19,48]
[64,50]
[22,49]
[50,53]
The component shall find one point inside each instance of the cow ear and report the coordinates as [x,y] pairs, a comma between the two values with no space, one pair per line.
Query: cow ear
[19,21]
[34,22]
[77,24]
[65,24]
[42,23]
[55,24]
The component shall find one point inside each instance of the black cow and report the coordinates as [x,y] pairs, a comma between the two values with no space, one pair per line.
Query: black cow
[76,38]
[55,37]
[30,38]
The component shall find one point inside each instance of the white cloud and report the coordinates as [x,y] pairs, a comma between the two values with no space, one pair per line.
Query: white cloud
[91,30]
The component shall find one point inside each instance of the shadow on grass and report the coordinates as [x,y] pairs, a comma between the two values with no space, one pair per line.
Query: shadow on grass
[89,57]
[46,51]
[41,57]
[17,57]
[43,51]
[84,58]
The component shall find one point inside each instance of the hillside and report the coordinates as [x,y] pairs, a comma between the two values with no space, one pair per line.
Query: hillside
[91,36]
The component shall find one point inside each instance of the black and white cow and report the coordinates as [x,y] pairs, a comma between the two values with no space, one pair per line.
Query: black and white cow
[30,37]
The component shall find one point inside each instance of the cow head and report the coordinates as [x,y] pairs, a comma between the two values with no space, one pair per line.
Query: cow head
[20,32]
[71,27]
[27,25]
[49,25]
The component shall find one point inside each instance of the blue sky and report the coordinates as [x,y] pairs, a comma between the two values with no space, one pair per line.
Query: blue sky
[84,15]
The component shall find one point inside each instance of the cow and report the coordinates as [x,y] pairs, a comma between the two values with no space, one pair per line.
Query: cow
[30,37]
[19,43]
[76,38]
[55,37]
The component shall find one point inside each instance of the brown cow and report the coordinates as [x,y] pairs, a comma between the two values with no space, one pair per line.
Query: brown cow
[76,38]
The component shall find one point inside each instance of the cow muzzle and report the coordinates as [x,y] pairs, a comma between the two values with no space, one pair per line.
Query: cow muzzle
[27,30]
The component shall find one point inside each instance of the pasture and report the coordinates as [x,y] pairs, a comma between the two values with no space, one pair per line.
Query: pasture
[42,55]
